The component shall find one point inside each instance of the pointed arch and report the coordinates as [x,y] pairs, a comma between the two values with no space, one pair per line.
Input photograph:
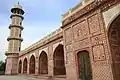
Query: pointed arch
[43,63]
[20,67]
[58,60]
[112,20]
[114,42]
[25,63]
[32,65]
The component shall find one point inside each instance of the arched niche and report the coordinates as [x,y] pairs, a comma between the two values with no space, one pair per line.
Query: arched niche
[43,63]
[58,60]
[25,62]
[32,65]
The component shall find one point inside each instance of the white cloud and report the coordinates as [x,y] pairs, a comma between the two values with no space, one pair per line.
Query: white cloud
[3,41]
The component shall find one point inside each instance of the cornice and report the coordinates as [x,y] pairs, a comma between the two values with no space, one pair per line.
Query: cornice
[95,4]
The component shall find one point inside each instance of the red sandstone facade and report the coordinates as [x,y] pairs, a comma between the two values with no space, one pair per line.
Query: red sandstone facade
[86,48]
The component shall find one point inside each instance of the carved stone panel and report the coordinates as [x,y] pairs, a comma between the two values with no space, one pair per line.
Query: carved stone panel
[81,44]
[68,35]
[99,53]
[97,39]
[80,30]
[70,58]
[94,24]
[69,48]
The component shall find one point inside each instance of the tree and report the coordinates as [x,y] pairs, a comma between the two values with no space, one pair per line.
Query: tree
[2,66]
[1,62]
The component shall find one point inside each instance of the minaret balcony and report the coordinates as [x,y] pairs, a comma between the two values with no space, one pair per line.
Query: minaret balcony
[18,15]
[14,38]
[11,53]
[14,25]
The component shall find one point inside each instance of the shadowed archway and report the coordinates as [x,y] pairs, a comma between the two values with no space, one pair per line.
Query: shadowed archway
[32,65]
[20,67]
[59,63]
[25,62]
[43,63]
[114,41]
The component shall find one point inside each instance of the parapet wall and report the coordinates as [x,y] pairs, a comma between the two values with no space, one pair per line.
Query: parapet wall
[78,7]
[46,39]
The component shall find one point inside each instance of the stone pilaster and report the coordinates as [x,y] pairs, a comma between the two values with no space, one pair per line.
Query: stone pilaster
[50,62]
[28,67]
[22,68]
[37,63]
[70,67]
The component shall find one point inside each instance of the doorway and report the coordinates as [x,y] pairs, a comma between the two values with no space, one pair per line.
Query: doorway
[84,66]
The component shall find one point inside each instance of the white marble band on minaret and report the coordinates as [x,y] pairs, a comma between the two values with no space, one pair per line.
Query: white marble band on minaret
[14,39]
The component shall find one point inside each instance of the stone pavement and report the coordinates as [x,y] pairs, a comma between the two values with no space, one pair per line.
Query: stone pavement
[18,78]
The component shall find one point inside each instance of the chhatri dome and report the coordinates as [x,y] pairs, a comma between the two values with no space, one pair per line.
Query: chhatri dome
[17,6]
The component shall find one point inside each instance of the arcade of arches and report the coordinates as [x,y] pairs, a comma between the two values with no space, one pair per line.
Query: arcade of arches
[58,61]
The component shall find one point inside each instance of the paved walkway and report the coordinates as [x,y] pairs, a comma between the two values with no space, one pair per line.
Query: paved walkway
[18,78]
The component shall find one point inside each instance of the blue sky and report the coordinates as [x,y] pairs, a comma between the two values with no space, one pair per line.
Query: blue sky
[41,18]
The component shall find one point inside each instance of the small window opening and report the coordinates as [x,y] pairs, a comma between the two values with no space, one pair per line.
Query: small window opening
[20,23]
[19,35]
[19,48]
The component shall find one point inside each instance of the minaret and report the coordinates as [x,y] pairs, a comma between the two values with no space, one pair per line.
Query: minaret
[14,39]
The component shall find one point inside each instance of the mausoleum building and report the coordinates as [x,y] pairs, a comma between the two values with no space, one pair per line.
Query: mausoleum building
[85,47]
